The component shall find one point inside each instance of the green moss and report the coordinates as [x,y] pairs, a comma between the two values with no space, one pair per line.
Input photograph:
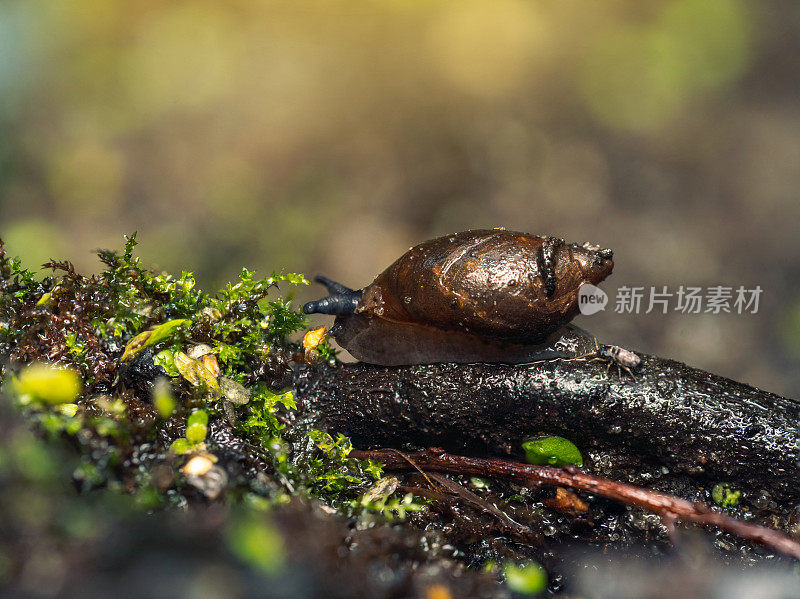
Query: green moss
[724,495]
[98,329]
[551,451]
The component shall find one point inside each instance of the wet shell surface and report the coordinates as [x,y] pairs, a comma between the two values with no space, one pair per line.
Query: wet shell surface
[483,295]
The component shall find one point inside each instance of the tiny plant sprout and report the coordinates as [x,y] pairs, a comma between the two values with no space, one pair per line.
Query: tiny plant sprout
[723,495]
[166,359]
[526,579]
[163,400]
[197,427]
[46,383]
[180,446]
[551,451]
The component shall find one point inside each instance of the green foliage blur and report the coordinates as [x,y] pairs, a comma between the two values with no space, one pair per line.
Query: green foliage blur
[330,136]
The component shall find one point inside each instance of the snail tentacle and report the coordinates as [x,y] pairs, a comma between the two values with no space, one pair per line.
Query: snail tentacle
[338,304]
[332,286]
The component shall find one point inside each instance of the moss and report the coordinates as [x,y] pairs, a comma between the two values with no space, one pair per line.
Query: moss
[723,495]
[121,349]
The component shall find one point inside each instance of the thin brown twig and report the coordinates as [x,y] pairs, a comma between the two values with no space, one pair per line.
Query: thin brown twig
[668,507]
[410,461]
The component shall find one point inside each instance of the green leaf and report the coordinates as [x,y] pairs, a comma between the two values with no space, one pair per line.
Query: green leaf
[551,451]
[196,433]
[153,337]
[527,579]
[163,399]
[180,446]
[198,417]
[48,384]
[166,359]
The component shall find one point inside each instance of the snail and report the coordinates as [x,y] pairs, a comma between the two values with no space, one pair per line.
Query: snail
[475,296]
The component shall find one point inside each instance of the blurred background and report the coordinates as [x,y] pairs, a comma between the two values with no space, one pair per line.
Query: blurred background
[325,136]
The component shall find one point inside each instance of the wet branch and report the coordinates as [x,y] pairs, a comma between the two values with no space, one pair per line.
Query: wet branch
[671,509]
[670,424]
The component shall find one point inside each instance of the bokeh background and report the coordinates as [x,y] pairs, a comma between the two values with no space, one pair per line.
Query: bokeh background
[325,136]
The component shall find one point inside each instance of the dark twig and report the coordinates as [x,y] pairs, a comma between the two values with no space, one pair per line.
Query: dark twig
[670,508]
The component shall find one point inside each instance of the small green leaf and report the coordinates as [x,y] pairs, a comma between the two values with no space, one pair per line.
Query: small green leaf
[166,359]
[180,446]
[551,451]
[44,299]
[163,400]
[152,337]
[527,579]
[198,417]
[196,433]
[68,409]
[47,383]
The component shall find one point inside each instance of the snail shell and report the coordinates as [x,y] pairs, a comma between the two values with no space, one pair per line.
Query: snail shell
[484,295]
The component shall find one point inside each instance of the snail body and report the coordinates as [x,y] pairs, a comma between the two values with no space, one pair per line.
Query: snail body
[483,295]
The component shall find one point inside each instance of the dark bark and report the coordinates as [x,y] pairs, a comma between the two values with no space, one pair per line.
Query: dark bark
[670,426]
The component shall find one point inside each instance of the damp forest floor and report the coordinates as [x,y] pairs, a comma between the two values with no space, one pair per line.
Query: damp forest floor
[150,445]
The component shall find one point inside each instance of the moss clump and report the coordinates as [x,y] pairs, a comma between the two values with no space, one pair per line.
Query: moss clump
[146,367]
[723,495]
